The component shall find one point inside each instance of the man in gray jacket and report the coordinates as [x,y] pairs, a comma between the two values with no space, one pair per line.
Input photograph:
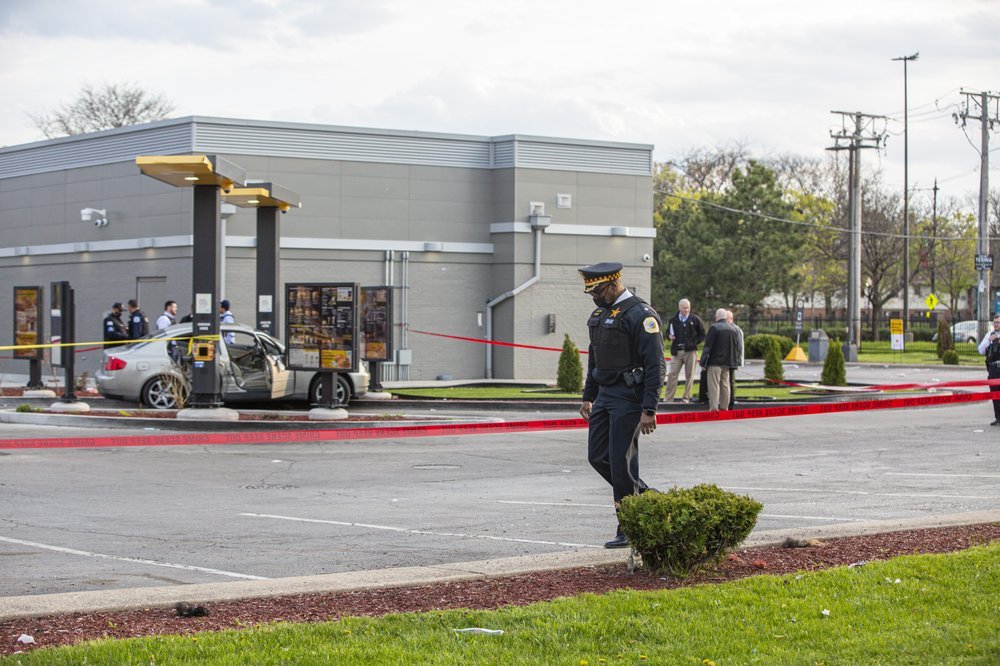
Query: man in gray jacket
[721,353]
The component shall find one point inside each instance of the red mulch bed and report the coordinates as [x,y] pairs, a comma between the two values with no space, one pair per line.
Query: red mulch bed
[482,594]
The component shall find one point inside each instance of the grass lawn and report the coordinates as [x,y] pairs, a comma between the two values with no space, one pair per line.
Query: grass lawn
[928,609]
[744,390]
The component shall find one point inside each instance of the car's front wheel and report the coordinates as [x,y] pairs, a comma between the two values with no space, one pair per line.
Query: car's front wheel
[343,391]
[165,392]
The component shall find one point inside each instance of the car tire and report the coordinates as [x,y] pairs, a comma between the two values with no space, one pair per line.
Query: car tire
[343,391]
[972,340]
[160,392]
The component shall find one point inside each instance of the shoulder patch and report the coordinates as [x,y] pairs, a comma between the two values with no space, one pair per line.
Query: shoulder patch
[651,325]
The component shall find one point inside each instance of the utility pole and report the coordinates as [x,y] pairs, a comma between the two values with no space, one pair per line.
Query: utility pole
[934,236]
[862,135]
[906,198]
[987,104]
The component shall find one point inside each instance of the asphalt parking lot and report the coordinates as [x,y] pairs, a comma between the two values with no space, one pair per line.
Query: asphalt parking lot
[128,517]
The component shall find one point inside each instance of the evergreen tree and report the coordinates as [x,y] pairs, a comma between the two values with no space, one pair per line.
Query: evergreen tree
[944,341]
[834,370]
[773,369]
[570,377]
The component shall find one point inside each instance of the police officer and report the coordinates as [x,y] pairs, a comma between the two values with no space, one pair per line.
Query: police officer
[625,371]
[138,323]
[114,327]
[990,348]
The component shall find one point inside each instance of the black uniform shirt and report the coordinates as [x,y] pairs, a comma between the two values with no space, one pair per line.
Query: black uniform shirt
[625,336]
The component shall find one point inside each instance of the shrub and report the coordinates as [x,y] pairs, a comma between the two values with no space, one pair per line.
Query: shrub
[950,357]
[773,370]
[570,375]
[756,346]
[25,407]
[834,369]
[944,341]
[684,528]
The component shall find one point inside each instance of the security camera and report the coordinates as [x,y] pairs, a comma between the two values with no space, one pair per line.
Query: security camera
[646,257]
[88,215]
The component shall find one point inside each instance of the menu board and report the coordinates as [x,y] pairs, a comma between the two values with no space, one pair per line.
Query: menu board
[321,325]
[27,317]
[376,323]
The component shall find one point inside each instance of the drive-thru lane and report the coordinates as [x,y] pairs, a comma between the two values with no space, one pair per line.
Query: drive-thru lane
[114,518]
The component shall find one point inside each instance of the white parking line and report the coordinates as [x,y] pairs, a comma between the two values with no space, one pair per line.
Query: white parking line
[857,492]
[572,505]
[186,567]
[390,528]
[566,504]
[955,476]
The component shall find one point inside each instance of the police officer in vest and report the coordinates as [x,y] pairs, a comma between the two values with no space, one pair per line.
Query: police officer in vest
[990,348]
[138,322]
[114,327]
[625,371]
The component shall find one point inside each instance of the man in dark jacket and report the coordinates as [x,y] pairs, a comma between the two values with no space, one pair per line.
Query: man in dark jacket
[114,327]
[625,371]
[721,353]
[138,322]
[686,332]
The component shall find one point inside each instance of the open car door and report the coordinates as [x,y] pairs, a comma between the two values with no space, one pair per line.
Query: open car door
[282,385]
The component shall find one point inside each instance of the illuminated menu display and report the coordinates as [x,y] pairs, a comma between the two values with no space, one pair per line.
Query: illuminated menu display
[376,323]
[322,324]
[27,317]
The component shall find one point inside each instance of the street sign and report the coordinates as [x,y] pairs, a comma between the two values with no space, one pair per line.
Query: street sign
[931,301]
[984,262]
[896,334]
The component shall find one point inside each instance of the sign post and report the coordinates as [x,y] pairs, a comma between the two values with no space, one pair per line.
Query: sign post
[896,334]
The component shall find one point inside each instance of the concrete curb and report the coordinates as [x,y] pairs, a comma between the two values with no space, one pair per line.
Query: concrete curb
[165,596]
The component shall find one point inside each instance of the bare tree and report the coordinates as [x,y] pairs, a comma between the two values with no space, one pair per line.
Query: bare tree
[106,107]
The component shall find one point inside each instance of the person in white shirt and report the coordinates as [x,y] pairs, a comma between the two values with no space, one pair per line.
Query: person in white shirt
[169,316]
[990,348]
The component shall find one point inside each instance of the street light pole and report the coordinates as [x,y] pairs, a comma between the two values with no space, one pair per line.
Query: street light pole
[906,194]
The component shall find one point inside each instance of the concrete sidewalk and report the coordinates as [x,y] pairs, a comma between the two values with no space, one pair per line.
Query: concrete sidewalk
[165,596]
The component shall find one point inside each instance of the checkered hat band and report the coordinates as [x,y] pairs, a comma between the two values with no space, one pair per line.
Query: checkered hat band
[593,282]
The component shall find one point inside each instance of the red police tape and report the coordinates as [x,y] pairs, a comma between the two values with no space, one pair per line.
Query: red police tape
[455,429]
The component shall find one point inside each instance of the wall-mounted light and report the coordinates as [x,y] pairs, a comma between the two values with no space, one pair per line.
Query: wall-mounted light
[433,247]
[619,231]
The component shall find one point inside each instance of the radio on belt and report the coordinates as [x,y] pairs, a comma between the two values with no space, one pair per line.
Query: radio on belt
[204,351]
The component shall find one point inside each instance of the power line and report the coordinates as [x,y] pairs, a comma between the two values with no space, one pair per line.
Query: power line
[818,225]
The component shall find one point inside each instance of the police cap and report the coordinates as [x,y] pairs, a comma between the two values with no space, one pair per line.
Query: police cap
[598,274]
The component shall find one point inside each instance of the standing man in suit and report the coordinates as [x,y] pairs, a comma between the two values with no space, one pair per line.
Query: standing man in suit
[686,332]
[721,353]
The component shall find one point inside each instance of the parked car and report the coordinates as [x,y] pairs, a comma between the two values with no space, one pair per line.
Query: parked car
[965,331]
[252,368]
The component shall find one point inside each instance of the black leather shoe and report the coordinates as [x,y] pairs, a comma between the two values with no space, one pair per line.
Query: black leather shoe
[617,542]
[997,422]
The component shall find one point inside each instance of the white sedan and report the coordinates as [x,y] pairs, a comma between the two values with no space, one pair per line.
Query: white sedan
[252,368]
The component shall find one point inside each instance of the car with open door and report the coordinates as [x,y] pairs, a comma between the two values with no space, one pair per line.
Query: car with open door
[252,368]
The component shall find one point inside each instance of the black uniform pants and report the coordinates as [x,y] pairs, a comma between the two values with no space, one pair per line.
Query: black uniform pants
[993,370]
[613,432]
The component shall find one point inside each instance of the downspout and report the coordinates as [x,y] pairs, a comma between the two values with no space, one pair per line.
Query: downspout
[538,223]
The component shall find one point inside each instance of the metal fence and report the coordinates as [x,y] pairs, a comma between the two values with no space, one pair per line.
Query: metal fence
[923,330]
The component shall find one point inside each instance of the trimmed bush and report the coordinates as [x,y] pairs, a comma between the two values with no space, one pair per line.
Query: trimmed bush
[679,531]
[944,341]
[570,373]
[950,357]
[756,346]
[773,369]
[834,368]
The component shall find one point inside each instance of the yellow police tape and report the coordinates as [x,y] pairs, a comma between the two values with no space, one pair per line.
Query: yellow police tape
[109,342]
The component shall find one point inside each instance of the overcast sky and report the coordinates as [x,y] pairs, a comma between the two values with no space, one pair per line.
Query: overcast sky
[675,75]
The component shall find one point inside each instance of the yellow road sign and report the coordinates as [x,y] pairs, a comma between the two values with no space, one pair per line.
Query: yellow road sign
[931,301]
